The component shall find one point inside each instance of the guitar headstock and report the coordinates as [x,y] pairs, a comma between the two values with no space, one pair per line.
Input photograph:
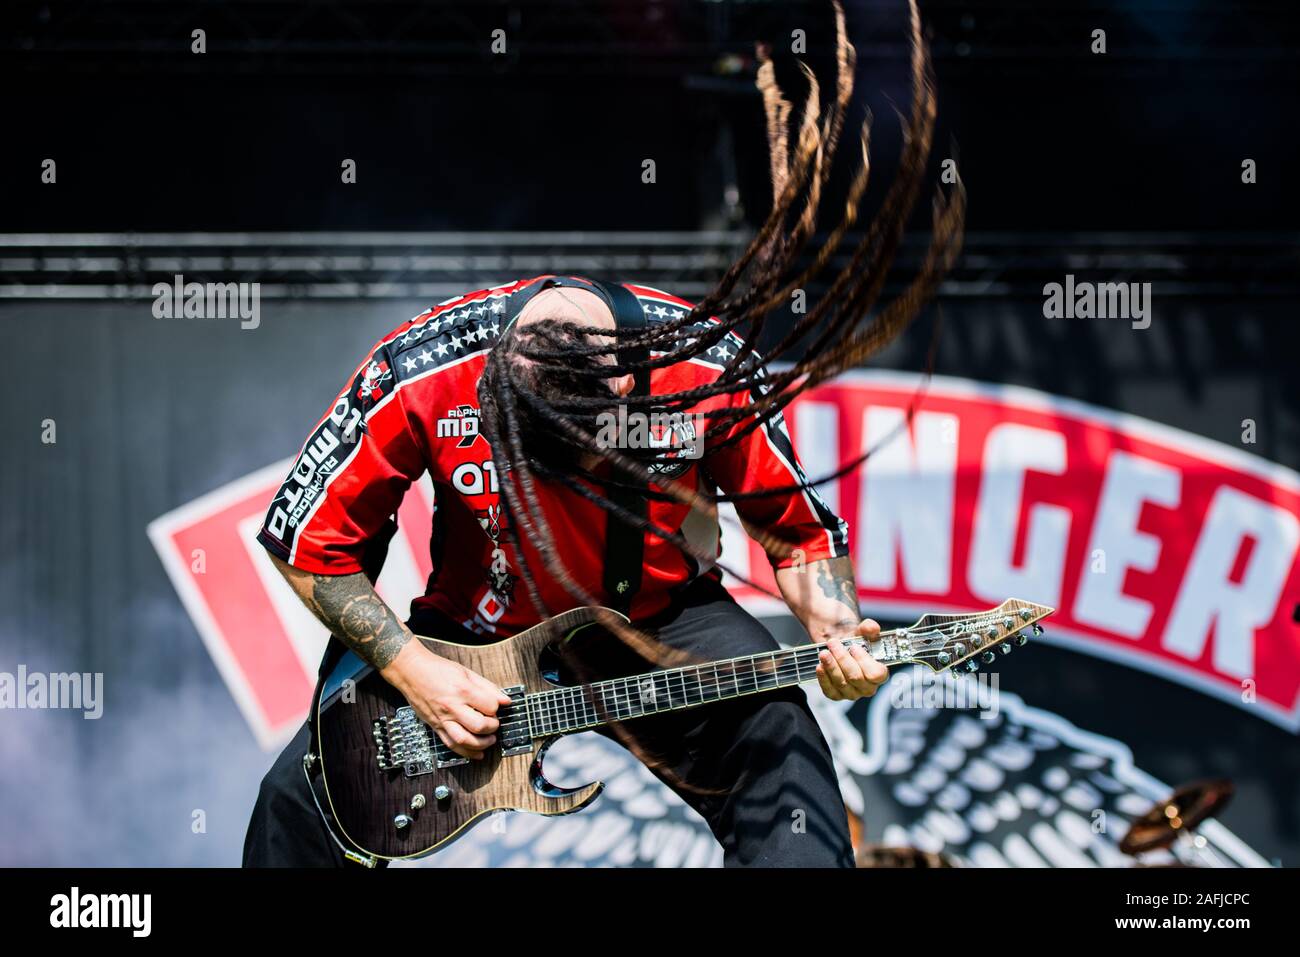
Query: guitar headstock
[941,642]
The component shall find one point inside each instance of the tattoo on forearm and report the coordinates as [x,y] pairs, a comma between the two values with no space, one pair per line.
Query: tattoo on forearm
[835,579]
[348,606]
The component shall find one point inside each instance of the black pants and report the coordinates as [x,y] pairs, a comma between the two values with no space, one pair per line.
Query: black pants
[756,768]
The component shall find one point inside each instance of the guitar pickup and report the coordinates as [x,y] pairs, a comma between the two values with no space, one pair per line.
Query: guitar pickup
[514,735]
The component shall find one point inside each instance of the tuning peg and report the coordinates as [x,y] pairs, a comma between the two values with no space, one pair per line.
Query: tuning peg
[1008,623]
[972,665]
[1038,629]
[1021,638]
[992,631]
[944,658]
[959,649]
[1026,614]
[989,657]
[1004,648]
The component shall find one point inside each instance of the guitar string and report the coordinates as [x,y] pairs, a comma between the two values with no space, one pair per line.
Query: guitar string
[798,658]
[561,706]
[567,708]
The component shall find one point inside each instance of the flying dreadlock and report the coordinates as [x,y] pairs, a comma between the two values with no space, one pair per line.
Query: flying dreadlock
[549,378]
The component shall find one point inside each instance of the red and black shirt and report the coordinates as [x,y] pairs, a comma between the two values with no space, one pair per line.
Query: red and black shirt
[412,407]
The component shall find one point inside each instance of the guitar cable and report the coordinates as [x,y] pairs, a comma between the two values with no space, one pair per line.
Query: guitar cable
[308,762]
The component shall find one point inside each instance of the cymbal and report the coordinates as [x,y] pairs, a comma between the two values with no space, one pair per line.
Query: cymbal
[1181,812]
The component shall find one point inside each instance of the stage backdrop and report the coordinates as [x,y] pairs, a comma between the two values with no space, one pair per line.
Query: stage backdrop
[1139,481]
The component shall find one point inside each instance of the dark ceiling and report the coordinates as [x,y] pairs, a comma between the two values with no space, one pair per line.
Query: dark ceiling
[552,133]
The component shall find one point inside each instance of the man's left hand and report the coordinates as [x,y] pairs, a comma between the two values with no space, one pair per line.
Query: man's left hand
[847,674]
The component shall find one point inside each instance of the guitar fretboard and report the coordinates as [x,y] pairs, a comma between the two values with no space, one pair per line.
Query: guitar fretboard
[581,707]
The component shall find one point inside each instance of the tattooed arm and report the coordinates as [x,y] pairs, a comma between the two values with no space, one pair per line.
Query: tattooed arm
[457,703]
[823,595]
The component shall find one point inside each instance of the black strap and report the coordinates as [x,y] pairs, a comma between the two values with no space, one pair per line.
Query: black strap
[624,544]
[522,297]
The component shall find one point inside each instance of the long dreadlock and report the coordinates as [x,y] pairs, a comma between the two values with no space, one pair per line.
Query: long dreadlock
[549,378]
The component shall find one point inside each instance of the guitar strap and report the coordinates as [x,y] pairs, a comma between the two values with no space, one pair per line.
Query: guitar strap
[625,545]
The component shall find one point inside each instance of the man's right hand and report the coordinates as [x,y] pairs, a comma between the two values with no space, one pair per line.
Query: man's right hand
[458,704]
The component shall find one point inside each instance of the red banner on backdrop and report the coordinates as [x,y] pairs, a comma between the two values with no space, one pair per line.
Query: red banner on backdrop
[1160,549]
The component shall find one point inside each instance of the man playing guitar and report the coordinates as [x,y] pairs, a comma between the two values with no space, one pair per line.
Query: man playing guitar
[757,768]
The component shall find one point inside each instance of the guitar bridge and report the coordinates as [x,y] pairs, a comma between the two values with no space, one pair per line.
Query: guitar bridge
[404,741]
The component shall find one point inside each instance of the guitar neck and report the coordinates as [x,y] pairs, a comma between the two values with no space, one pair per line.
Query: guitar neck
[582,707]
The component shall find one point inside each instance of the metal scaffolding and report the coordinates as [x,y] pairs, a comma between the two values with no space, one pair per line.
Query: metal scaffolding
[434,265]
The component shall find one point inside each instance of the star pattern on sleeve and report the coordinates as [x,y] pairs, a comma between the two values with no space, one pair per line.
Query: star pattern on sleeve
[459,330]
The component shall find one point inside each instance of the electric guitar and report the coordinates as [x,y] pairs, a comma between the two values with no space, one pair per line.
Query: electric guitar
[397,791]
